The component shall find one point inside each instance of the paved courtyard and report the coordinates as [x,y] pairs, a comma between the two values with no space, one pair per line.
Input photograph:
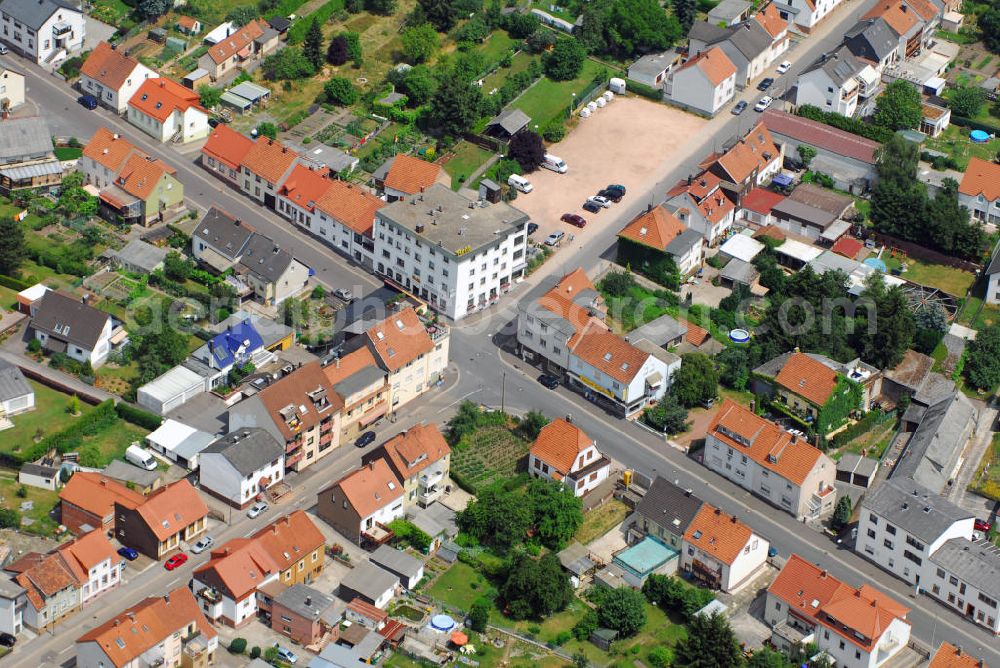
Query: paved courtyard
[630,141]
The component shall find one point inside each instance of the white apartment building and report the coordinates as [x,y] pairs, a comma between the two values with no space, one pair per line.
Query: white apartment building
[903,523]
[831,83]
[704,83]
[240,465]
[457,255]
[965,576]
[720,551]
[46,31]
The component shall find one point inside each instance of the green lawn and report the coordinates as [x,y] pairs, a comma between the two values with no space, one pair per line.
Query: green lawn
[459,586]
[949,279]
[496,47]
[955,142]
[519,63]
[468,158]
[637,307]
[491,452]
[986,481]
[550,99]
[50,415]
[601,520]
[68,152]
[110,11]
[42,500]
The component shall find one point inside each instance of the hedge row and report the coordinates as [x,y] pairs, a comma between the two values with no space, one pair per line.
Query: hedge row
[861,427]
[13,283]
[975,125]
[644,90]
[70,438]
[138,417]
[852,125]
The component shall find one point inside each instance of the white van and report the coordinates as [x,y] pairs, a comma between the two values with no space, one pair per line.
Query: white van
[520,183]
[555,163]
[140,457]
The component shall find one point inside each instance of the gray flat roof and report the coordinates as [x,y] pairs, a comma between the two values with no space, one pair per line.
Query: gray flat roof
[660,331]
[122,470]
[855,463]
[918,510]
[447,220]
[369,580]
[24,138]
[976,562]
[739,271]
[397,561]
[141,254]
[305,601]
[12,382]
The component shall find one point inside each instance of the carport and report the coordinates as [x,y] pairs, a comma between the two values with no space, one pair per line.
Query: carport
[245,96]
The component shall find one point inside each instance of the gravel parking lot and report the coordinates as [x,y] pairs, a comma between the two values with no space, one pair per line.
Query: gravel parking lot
[632,141]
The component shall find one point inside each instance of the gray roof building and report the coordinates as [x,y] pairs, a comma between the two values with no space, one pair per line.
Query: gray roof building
[397,562]
[932,453]
[789,209]
[748,37]
[24,139]
[739,271]
[840,65]
[917,510]
[34,13]
[975,562]
[305,601]
[359,380]
[247,450]
[39,470]
[271,331]
[227,235]
[856,465]
[436,520]
[265,258]
[729,12]
[821,198]
[12,382]
[137,255]
[871,39]
[684,242]
[368,581]
[511,121]
[668,506]
[662,331]
[653,65]
[67,319]
[383,169]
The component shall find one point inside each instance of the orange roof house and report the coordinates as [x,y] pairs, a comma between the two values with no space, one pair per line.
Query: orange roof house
[351,206]
[141,174]
[88,501]
[610,354]
[304,187]
[231,46]
[152,623]
[157,524]
[408,175]
[770,20]
[713,64]
[108,149]
[949,656]
[227,147]
[360,504]
[159,98]
[269,159]
[808,378]
[741,165]
[897,14]
[399,340]
[419,448]
[814,598]
[656,229]
[721,551]
[720,535]
[112,76]
[981,177]
[565,453]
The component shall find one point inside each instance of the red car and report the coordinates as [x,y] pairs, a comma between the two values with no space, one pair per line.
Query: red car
[175,561]
[982,525]
[574,219]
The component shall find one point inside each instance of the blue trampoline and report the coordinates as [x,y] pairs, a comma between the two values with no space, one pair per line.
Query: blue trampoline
[877,263]
[979,136]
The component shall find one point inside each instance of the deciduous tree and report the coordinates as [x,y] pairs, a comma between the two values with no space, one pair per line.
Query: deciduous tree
[709,643]
[12,248]
[624,610]
[419,43]
[286,64]
[382,7]
[899,107]
[565,60]
[668,416]
[442,14]
[151,9]
[558,512]
[340,90]
[336,53]
[535,589]
[967,101]
[626,28]
[527,148]
[982,362]
[697,381]
[209,97]
[455,105]
[240,16]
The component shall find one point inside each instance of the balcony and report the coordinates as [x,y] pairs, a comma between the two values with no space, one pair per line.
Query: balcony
[293,459]
[431,477]
[325,439]
[428,495]
[210,595]
[61,28]
[292,446]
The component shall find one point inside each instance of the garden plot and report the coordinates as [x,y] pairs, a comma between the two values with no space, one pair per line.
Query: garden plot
[490,453]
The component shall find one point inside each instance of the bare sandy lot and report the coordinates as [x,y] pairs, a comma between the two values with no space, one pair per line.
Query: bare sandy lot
[632,141]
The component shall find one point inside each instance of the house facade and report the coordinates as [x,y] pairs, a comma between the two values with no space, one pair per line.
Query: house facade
[661,232]
[412,350]
[705,83]
[239,48]
[363,386]
[11,87]
[88,502]
[27,155]
[565,454]
[113,77]
[67,325]
[720,551]
[979,190]
[703,205]
[46,32]
[241,465]
[16,395]
[362,503]
[832,83]
[167,111]
[763,458]
[420,459]
[157,525]
[223,153]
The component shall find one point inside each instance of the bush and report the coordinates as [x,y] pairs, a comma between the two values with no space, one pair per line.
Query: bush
[9,518]
[255,652]
[138,417]
[34,346]
[340,90]
[852,125]
[13,283]
[479,615]
[555,132]
[643,90]
[238,646]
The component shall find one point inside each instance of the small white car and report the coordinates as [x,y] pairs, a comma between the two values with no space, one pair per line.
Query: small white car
[203,545]
[554,238]
[600,201]
[764,103]
[286,654]
[343,294]
[784,67]
[256,509]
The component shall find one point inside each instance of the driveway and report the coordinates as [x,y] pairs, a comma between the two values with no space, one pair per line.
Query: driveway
[626,142]
[97,32]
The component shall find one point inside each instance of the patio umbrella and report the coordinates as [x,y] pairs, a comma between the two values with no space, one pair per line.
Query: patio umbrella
[459,639]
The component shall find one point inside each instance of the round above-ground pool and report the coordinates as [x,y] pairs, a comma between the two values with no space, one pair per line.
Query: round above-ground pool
[877,263]
[739,335]
[442,623]
[979,136]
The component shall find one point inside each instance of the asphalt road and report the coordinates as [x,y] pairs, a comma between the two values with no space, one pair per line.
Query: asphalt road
[483,374]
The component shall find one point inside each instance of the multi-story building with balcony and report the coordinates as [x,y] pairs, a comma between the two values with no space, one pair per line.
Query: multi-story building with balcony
[170,515]
[457,255]
[421,459]
[45,31]
[361,504]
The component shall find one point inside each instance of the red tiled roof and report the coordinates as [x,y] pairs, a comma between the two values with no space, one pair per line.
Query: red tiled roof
[108,66]
[108,149]
[718,534]
[713,63]
[291,393]
[97,494]
[848,247]
[227,146]
[269,159]
[820,135]
[696,335]
[808,378]
[949,656]
[770,20]
[981,178]
[352,205]
[896,15]
[655,228]
[769,445]
[170,509]
[558,444]
[400,339]
[610,354]
[158,98]
[370,487]
[753,152]
[290,538]
[410,175]
[141,174]
[761,201]
[304,187]
[187,22]
[227,47]
[416,448]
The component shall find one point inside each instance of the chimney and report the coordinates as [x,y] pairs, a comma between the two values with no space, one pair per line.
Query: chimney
[131,615]
[822,574]
[569,418]
[958,650]
[336,363]
[371,465]
[166,598]
[718,511]
[309,600]
[733,519]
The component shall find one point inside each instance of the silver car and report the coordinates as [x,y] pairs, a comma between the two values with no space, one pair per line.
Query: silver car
[256,509]
[203,545]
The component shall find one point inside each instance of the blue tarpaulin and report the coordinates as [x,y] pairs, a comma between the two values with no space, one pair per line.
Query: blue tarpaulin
[783,180]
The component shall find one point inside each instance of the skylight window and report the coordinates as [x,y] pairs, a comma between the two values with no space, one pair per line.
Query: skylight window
[399,324]
[607,357]
[392,485]
[380,335]
[697,535]
[120,643]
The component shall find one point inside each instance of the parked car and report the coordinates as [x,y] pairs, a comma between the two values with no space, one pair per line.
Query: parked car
[592,207]
[203,544]
[620,189]
[128,553]
[175,561]
[784,67]
[3,50]
[532,228]
[611,195]
[344,294]
[256,509]
[600,201]
[7,639]
[772,552]
[982,525]
[285,654]
[739,107]
[555,238]
[365,439]
[549,381]
[765,83]
[764,103]
[574,219]
[88,101]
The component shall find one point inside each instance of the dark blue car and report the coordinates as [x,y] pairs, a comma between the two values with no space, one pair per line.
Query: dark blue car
[88,101]
[128,553]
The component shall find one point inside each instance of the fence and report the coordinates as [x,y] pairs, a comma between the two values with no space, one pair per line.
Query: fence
[928,255]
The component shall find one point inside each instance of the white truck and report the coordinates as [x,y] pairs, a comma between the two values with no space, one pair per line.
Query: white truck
[140,457]
[555,163]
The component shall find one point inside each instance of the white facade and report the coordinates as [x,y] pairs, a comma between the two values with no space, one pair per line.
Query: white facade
[896,550]
[634,394]
[981,208]
[847,654]
[15,405]
[102,577]
[336,234]
[234,612]
[95,356]
[217,474]
[190,124]
[117,99]
[12,601]
[962,597]
[412,380]
[690,259]
[11,88]
[384,515]
[993,289]
[690,87]
[807,13]
[818,89]
[750,559]
[580,485]
[62,32]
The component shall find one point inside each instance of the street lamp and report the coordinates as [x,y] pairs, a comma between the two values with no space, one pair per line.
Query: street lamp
[572,105]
